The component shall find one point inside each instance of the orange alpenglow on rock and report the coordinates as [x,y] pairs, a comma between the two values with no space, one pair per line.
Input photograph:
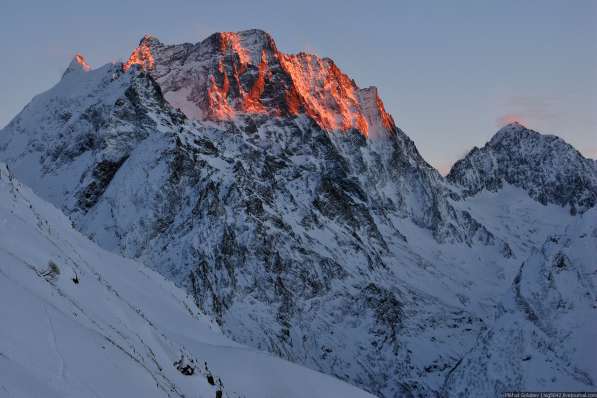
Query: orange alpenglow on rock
[141,56]
[80,59]
[230,74]
[328,96]
[217,98]
[251,103]
[77,65]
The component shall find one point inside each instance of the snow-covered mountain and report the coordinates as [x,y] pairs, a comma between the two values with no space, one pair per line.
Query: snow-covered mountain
[78,321]
[286,201]
[548,168]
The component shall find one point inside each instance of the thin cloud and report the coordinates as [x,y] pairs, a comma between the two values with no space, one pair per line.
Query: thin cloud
[510,118]
[530,109]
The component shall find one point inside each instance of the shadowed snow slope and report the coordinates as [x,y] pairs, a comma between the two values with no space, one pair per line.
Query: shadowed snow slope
[121,330]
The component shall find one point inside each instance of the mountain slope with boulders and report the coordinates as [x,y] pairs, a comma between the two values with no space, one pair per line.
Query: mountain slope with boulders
[287,202]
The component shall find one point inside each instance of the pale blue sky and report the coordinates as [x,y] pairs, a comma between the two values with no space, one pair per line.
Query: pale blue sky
[448,71]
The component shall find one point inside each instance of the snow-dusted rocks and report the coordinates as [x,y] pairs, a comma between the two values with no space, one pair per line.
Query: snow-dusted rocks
[548,168]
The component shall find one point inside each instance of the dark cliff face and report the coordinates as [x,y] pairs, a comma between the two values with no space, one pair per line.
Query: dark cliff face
[549,169]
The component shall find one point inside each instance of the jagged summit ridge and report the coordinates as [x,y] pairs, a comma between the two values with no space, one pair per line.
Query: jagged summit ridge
[547,167]
[230,74]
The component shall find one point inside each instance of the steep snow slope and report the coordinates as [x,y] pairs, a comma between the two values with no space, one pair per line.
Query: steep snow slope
[548,168]
[546,324]
[121,330]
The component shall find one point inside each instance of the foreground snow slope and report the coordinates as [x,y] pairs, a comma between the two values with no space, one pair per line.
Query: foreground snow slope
[119,330]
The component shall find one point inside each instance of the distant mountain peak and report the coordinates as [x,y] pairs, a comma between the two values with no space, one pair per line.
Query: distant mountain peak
[512,131]
[512,127]
[546,166]
[248,44]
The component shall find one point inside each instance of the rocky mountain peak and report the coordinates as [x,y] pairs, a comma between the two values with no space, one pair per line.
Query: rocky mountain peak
[248,45]
[143,54]
[332,98]
[243,73]
[547,167]
[513,125]
[511,132]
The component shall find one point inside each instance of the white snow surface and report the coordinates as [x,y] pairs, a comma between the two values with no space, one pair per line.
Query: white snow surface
[119,331]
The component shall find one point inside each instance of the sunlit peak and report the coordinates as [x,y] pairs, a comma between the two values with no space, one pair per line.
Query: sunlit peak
[141,55]
[80,59]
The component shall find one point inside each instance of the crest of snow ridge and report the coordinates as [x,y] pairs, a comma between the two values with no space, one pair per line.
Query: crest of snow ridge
[229,74]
